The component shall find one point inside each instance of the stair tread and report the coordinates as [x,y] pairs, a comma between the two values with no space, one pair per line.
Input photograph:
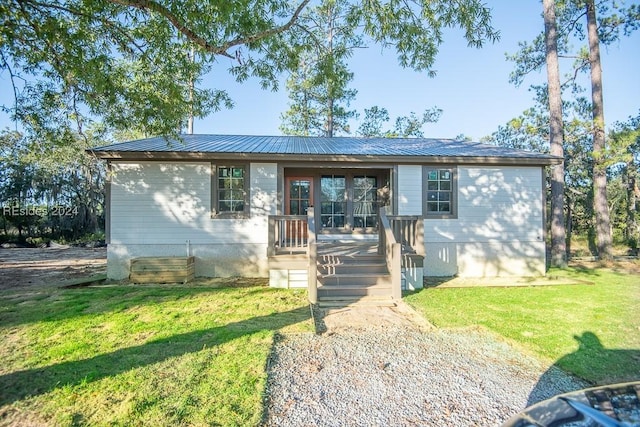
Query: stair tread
[359,298]
[354,275]
[363,301]
[355,286]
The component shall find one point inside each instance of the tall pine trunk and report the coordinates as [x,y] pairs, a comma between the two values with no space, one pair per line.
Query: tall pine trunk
[558,232]
[632,228]
[600,205]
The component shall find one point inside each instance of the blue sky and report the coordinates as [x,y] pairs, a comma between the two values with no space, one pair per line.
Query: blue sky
[472,85]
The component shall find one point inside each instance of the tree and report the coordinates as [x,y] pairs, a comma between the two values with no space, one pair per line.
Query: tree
[318,89]
[124,61]
[374,118]
[558,232]
[625,139]
[405,126]
[613,21]
[51,191]
[601,208]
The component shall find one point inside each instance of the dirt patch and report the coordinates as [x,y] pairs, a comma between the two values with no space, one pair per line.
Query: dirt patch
[502,282]
[621,266]
[33,267]
[355,317]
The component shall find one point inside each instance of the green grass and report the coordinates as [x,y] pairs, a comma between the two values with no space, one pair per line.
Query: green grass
[141,355]
[592,331]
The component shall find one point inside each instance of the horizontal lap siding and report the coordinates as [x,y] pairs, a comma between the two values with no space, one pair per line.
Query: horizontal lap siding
[499,229]
[503,204]
[169,203]
[410,190]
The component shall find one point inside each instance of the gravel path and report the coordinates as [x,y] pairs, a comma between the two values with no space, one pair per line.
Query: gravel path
[399,376]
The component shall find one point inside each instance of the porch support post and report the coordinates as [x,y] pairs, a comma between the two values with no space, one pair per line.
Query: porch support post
[312,253]
[396,271]
[420,250]
[271,239]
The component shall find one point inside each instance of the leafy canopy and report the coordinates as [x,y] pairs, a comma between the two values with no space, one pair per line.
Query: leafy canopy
[404,127]
[127,61]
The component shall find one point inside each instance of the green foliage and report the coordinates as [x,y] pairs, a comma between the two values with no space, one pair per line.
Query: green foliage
[554,321]
[127,63]
[415,29]
[624,180]
[405,126]
[614,21]
[319,87]
[49,190]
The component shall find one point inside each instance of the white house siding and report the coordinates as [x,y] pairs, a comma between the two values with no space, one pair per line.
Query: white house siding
[163,209]
[410,190]
[499,230]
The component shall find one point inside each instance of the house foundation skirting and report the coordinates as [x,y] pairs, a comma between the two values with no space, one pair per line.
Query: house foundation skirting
[218,260]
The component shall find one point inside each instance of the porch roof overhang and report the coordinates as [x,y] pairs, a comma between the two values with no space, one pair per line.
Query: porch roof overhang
[319,149]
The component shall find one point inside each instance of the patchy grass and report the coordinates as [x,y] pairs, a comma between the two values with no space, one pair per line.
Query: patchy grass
[141,355]
[592,331]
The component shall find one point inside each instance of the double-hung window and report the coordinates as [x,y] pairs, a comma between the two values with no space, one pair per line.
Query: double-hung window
[440,196]
[230,190]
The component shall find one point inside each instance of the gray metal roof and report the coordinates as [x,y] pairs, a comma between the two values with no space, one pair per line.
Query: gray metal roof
[284,146]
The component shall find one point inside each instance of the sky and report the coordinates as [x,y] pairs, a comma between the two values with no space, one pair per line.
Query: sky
[471,87]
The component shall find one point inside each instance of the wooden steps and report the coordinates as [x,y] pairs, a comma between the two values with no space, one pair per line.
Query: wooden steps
[162,270]
[351,273]
[367,301]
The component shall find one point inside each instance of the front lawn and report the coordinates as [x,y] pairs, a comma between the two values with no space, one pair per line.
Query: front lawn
[592,331]
[141,355]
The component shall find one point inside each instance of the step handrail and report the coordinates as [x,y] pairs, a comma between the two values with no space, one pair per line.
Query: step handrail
[312,255]
[392,251]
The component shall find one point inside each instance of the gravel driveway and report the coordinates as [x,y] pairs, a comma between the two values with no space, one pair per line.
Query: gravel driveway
[398,375]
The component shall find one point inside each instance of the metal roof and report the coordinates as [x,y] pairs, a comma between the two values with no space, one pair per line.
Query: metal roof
[316,147]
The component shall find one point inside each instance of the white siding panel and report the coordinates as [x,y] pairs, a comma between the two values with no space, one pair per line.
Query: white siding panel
[499,229]
[264,189]
[409,190]
[169,203]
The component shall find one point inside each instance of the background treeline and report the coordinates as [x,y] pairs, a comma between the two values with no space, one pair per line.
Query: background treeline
[50,192]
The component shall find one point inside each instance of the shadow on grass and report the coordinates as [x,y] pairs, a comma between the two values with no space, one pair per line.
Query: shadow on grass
[32,382]
[61,304]
[593,363]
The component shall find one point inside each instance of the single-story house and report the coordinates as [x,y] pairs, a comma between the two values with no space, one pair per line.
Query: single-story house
[303,210]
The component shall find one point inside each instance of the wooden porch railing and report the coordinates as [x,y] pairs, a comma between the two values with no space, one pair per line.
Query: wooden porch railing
[312,254]
[408,231]
[288,234]
[296,234]
[392,251]
[399,235]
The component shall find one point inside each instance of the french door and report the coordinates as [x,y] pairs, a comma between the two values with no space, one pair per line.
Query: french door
[298,198]
[298,195]
[349,202]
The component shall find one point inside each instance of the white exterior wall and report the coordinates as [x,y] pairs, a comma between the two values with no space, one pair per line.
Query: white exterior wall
[410,190]
[499,230]
[156,208]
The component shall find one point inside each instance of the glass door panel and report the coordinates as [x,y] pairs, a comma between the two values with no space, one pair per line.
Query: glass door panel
[298,198]
[333,201]
[365,202]
[299,192]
